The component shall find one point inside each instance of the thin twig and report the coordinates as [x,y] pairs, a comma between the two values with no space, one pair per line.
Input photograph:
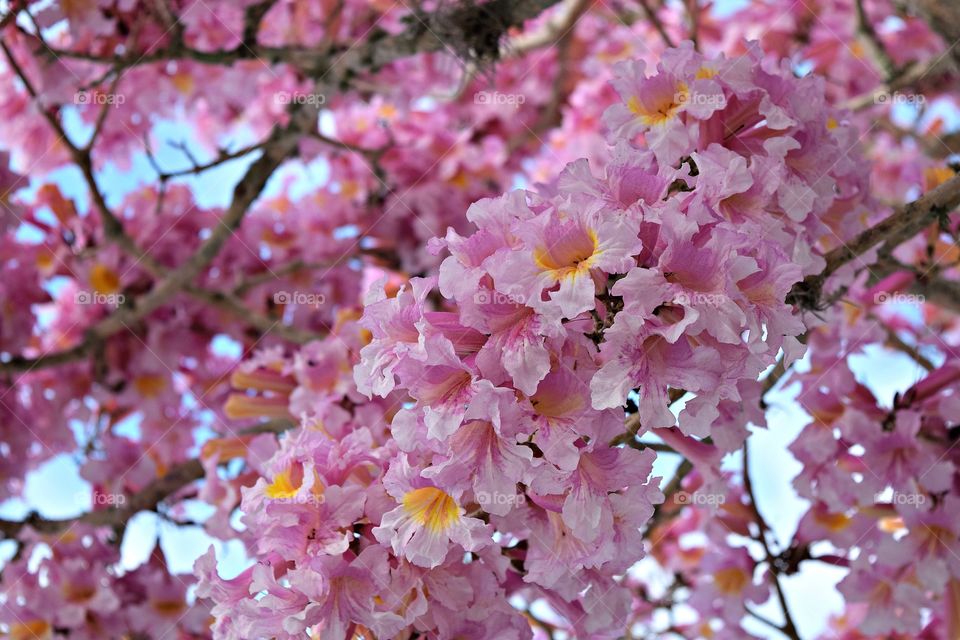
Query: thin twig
[767,621]
[693,13]
[789,627]
[198,168]
[911,76]
[874,44]
[897,343]
[656,22]
[147,499]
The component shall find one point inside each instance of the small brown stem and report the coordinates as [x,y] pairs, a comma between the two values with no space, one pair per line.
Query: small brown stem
[789,627]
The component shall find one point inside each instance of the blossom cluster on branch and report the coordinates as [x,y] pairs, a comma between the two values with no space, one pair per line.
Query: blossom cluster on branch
[502,472]
[417,303]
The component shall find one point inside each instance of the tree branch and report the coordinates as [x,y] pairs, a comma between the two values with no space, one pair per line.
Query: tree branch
[789,627]
[474,28]
[280,144]
[874,44]
[897,228]
[654,19]
[943,16]
[377,51]
[895,341]
[147,499]
[914,76]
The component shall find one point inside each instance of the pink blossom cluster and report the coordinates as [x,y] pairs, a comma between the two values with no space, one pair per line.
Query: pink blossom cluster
[880,480]
[707,550]
[696,235]
[93,597]
[492,460]
[369,214]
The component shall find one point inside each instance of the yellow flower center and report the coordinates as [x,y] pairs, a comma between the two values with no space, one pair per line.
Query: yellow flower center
[168,607]
[730,580]
[661,110]
[284,485]
[44,261]
[104,279]
[150,385]
[431,508]
[78,593]
[183,82]
[572,254]
[705,73]
[32,630]
[832,521]
[891,525]
[459,179]
[287,483]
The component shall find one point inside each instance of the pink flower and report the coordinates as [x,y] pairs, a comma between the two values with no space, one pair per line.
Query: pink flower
[641,355]
[490,464]
[894,601]
[653,106]
[347,593]
[461,272]
[428,521]
[665,105]
[393,323]
[729,584]
[443,385]
[516,349]
[425,524]
[561,415]
[562,248]
[587,508]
